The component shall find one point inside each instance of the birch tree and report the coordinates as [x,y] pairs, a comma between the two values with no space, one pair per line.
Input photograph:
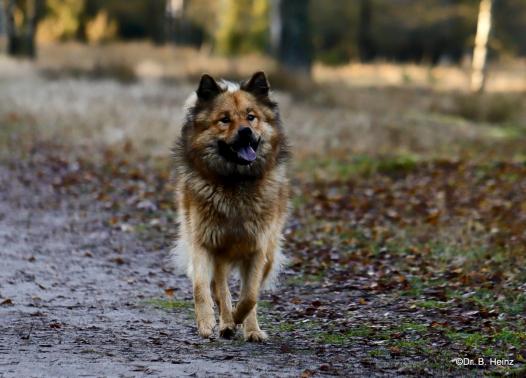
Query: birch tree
[480,52]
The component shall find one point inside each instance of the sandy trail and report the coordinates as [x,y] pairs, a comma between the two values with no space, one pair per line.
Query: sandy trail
[76,299]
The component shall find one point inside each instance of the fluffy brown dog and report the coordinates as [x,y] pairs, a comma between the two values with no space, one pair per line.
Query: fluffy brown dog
[232,197]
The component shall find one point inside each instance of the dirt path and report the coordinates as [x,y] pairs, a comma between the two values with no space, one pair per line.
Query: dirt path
[79,298]
[86,287]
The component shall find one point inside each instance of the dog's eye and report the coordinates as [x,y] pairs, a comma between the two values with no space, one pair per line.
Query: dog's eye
[225,119]
[251,117]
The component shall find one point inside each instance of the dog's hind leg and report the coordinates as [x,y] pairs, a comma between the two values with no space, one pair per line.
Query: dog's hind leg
[227,327]
[201,279]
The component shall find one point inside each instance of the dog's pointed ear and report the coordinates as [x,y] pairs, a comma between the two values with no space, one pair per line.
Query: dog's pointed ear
[258,85]
[208,88]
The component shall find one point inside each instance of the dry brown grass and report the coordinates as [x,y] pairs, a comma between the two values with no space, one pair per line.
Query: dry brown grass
[148,61]
[326,121]
[510,77]
[144,60]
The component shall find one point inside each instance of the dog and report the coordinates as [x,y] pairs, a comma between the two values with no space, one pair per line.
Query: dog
[232,195]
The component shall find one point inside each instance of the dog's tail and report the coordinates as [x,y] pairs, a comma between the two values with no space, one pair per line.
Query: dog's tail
[280,261]
[180,253]
[181,259]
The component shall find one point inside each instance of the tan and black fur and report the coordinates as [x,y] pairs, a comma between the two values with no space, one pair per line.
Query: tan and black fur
[232,198]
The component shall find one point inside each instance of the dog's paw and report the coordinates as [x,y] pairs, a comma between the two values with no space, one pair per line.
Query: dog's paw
[227,331]
[205,327]
[256,336]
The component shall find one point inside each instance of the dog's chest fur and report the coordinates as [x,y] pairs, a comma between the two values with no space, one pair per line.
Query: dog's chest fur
[235,218]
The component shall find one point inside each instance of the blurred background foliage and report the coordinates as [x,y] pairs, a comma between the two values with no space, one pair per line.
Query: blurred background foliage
[431,31]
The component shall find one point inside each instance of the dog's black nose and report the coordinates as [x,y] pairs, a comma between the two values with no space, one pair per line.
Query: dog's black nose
[244,132]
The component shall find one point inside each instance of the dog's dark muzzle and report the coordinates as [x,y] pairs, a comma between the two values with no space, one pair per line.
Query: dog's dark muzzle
[244,148]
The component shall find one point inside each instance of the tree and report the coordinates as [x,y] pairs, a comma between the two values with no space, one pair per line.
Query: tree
[365,41]
[243,27]
[480,53]
[2,27]
[156,15]
[292,38]
[21,31]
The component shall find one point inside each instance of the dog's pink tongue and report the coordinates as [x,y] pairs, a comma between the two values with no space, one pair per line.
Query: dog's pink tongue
[247,153]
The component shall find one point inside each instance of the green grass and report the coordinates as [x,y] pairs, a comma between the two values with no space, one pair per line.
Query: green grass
[515,371]
[305,278]
[334,338]
[264,304]
[431,304]
[379,353]
[169,304]
[411,326]
[511,337]
[358,166]
[410,345]
[338,338]
[360,331]
[510,302]
[366,331]
[286,327]
[505,337]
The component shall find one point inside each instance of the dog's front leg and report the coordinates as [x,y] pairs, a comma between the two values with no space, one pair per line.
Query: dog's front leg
[251,328]
[202,276]
[251,277]
[227,327]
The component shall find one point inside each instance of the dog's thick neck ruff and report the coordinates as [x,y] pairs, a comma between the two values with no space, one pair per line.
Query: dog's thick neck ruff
[205,150]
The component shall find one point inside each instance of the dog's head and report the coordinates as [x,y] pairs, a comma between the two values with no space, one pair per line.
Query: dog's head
[233,129]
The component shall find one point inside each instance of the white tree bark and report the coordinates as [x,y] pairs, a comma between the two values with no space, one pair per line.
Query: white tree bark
[480,53]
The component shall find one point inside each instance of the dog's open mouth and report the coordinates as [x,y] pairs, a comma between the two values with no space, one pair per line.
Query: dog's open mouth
[240,152]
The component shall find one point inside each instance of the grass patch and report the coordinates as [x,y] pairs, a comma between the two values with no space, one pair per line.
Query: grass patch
[339,338]
[431,304]
[411,326]
[518,371]
[359,166]
[305,278]
[485,107]
[286,327]
[379,353]
[264,304]
[122,72]
[169,304]
[511,337]
[410,345]
[416,287]
[366,331]
[508,301]
[334,338]
[506,337]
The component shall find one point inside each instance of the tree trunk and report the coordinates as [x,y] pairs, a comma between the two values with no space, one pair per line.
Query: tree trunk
[294,51]
[275,26]
[480,53]
[365,42]
[157,24]
[3,28]
[21,41]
